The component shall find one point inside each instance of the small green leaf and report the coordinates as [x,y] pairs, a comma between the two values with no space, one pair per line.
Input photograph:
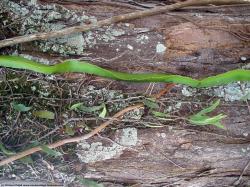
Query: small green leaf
[202,119]
[91,109]
[210,109]
[6,151]
[69,130]
[20,107]
[89,183]
[27,160]
[82,108]
[205,120]
[159,114]
[75,106]
[104,112]
[31,145]
[50,152]
[44,114]
[151,103]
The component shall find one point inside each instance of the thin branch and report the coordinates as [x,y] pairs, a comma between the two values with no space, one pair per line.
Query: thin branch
[115,19]
[71,140]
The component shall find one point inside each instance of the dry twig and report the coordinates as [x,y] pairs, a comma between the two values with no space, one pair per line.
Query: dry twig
[115,19]
[70,140]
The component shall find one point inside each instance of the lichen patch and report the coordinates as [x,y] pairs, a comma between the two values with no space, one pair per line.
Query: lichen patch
[97,151]
[45,18]
[231,92]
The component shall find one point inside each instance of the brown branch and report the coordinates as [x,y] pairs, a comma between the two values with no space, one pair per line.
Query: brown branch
[115,19]
[70,140]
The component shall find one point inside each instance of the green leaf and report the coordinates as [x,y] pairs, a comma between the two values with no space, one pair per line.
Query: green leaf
[151,103]
[209,109]
[31,145]
[69,130]
[202,119]
[89,183]
[159,114]
[82,108]
[104,111]
[75,106]
[205,120]
[6,151]
[27,160]
[49,151]
[44,114]
[20,107]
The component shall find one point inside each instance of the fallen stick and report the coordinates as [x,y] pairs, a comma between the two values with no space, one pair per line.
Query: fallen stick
[115,19]
[70,140]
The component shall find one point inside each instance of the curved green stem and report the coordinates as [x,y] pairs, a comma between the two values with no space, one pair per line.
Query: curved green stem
[85,67]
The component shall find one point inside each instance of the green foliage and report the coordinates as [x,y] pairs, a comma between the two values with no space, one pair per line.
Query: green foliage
[151,103]
[201,117]
[50,151]
[27,160]
[44,114]
[159,114]
[76,107]
[6,152]
[104,111]
[20,107]
[80,107]
[85,67]
[69,130]
[89,183]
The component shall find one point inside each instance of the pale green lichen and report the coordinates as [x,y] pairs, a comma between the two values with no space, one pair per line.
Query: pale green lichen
[160,48]
[247,66]
[231,92]
[89,39]
[106,34]
[142,39]
[162,135]
[90,93]
[44,18]
[136,114]
[129,137]
[173,108]
[130,47]
[188,91]
[38,18]
[117,32]
[110,34]
[96,151]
